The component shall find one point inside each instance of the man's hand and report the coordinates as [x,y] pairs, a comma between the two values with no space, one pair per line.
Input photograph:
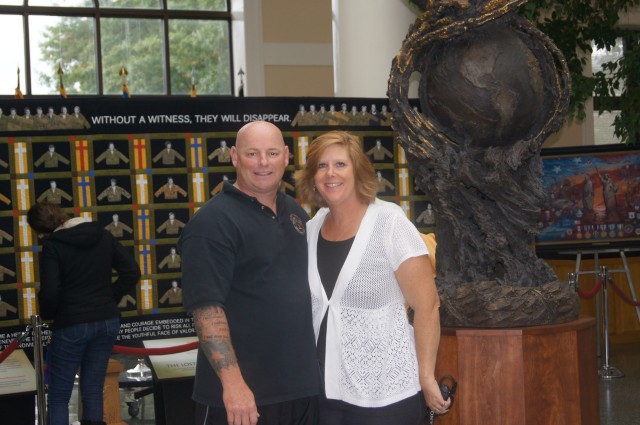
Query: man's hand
[240,405]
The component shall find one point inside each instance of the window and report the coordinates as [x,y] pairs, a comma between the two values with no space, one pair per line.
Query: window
[199,46]
[66,43]
[619,65]
[164,45]
[12,52]
[603,122]
[136,44]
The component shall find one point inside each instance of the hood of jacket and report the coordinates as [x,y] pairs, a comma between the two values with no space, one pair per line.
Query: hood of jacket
[78,232]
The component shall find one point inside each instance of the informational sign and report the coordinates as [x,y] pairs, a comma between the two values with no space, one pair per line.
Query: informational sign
[171,366]
[17,375]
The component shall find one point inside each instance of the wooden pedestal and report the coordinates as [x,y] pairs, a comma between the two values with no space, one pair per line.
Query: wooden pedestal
[534,375]
[112,410]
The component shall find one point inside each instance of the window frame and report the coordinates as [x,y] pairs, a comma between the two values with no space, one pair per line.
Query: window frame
[96,13]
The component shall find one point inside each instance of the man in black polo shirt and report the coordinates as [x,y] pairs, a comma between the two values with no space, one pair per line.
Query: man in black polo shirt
[244,279]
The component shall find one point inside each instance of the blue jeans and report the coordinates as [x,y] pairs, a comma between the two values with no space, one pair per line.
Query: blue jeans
[87,346]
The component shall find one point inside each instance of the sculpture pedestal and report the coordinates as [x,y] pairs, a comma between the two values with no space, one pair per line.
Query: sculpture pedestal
[112,411]
[533,375]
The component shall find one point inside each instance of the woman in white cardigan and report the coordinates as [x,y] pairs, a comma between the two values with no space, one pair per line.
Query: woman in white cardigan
[366,263]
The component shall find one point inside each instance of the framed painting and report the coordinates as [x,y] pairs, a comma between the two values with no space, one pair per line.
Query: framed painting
[592,197]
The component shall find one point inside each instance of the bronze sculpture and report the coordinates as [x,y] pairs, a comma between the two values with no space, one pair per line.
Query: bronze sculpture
[493,88]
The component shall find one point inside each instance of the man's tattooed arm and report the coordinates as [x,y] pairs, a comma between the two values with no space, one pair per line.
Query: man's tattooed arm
[215,339]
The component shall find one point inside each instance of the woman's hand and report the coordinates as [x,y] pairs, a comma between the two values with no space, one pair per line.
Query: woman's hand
[433,397]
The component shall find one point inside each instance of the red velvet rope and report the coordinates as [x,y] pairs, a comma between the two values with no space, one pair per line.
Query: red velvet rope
[141,352]
[592,293]
[10,348]
[118,349]
[622,295]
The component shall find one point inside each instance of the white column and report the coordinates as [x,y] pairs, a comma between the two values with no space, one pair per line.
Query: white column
[367,35]
[248,46]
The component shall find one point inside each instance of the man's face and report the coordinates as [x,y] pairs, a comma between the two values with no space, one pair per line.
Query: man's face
[260,157]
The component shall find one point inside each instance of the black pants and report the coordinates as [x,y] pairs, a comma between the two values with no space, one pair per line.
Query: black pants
[303,411]
[410,411]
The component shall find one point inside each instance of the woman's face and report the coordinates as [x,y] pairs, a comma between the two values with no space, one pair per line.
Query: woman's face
[335,177]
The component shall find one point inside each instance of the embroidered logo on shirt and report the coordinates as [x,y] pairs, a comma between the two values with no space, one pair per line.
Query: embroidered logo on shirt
[298,224]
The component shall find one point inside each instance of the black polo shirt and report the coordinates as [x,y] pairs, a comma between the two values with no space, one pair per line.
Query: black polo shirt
[238,254]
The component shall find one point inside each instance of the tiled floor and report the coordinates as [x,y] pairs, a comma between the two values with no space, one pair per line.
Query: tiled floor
[619,398]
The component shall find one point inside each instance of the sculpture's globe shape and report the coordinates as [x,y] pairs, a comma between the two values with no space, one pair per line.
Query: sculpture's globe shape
[484,88]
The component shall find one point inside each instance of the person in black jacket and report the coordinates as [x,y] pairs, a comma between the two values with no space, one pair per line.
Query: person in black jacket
[77,293]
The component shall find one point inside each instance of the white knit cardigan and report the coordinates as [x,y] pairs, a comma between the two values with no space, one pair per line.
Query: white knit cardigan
[371,357]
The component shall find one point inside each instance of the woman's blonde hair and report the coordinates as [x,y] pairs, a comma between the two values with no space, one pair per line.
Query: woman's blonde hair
[364,174]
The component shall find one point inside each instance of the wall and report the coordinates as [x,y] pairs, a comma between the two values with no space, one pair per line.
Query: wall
[284,47]
[295,44]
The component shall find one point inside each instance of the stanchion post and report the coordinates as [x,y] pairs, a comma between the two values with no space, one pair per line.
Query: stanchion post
[36,324]
[599,325]
[606,370]
[573,281]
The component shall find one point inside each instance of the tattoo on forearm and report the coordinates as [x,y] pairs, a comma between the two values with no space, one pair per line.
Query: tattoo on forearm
[215,339]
